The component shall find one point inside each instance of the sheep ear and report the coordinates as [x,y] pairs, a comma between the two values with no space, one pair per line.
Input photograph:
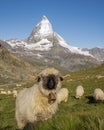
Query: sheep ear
[61,78]
[38,78]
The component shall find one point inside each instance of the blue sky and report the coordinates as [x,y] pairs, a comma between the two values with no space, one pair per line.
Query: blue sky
[79,22]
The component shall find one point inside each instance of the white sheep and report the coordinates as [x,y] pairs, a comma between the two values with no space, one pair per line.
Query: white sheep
[3,92]
[9,92]
[14,93]
[62,95]
[39,102]
[98,95]
[79,92]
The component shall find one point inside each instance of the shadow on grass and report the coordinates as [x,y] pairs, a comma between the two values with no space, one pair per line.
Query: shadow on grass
[31,126]
[91,100]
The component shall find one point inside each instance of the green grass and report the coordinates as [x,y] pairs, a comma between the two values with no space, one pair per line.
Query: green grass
[7,110]
[73,115]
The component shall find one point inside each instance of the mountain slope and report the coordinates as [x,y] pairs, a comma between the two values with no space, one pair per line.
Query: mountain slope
[97,52]
[13,68]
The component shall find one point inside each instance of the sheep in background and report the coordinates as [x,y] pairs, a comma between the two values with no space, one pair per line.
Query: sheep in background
[9,92]
[62,95]
[14,93]
[98,95]
[3,92]
[79,92]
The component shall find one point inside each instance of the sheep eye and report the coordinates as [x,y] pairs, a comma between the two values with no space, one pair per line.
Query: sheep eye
[38,79]
[61,78]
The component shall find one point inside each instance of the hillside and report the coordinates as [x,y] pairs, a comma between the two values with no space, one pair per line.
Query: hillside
[81,114]
[12,68]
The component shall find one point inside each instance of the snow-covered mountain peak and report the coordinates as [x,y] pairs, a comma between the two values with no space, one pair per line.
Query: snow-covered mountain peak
[44,18]
[44,27]
[41,31]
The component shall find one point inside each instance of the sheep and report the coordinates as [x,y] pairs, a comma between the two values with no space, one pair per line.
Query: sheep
[39,102]
[62,95]
[98,95]
[14,93]
[9,92]
[3,92]
[79,92]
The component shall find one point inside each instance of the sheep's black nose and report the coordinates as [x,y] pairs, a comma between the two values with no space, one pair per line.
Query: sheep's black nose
[51,82]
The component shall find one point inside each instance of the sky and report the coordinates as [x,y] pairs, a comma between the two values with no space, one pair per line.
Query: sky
[79,22]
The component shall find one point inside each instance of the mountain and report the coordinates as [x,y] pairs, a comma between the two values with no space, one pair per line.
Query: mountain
[46,47]
[13,69]
[97,52]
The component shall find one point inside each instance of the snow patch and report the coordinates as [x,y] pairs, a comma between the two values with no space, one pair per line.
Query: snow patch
[42,45]
[16,43]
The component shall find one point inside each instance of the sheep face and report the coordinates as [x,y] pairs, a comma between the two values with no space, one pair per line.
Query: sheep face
[49,81]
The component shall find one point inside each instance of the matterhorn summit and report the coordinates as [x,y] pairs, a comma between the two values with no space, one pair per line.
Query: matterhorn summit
[41,31]
[45,27]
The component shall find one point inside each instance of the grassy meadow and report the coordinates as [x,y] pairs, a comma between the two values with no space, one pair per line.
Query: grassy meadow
[76,114]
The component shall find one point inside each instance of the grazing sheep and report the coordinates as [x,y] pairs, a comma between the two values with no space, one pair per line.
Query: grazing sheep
[9,92]
[79,92]
[62,95]
[38,103]
[3,92]
[98,95]
[14,93]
